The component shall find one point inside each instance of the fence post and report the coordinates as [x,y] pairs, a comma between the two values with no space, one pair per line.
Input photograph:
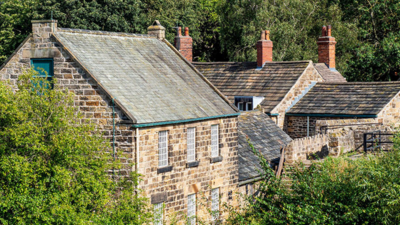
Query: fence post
[365,142]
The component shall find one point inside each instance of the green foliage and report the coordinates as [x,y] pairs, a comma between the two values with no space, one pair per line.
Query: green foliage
[53,166]
[336,191]
[295,26]
[367,32]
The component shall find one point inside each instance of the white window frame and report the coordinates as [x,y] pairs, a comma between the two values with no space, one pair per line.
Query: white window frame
[191,144]
[191,207]
[214,140]
[158,213]
[241,105]
[248,108]
[215,204]
[162,148]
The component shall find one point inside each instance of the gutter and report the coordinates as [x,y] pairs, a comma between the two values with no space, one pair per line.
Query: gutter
[182,121]
[332,115]
[272,114]
[250,181]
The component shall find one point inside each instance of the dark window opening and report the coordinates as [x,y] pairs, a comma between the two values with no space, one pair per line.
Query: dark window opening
[244,103]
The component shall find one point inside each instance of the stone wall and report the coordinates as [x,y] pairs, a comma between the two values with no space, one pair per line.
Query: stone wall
[336,137]
[92,102]
[303,148]
[182,181]
[305,80]
[97,107]
[390,114]
[296,126]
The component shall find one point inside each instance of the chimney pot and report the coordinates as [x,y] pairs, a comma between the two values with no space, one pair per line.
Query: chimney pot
[329,31]
[323,31]
[264,49]
[263,35]
[186,31]
[179,31]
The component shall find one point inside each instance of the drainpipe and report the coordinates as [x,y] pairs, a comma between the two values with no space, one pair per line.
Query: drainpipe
[308,126]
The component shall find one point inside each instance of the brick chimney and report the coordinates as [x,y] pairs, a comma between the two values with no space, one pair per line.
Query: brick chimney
[184,44]
[42,29]
[264,49]
[157,30]
[326,48]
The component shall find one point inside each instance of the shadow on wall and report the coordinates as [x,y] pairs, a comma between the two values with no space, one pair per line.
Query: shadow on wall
[323,153]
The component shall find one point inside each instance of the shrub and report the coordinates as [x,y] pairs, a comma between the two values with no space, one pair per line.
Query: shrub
[336,191]
[53,167]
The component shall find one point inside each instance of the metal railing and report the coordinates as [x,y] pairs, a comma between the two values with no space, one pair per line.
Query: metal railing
[373,140]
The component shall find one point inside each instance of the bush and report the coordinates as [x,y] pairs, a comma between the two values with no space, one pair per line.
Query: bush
[336,191]
[53,168]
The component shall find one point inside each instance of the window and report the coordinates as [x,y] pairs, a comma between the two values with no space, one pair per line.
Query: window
[249,106]
[191,144]
[163,148]
[240,106]
[215,203]
[244,103]
[158,214]
[44,68]
[214,141]
[191,209]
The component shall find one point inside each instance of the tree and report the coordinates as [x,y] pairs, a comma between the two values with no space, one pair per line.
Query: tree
[294,25]
[53,168]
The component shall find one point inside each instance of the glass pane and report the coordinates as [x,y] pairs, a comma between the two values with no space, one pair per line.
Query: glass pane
[192,209]
[162,149]
[215,203]
[43,67]
[158,214]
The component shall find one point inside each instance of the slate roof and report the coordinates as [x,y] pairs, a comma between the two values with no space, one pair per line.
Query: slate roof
[351,98]
[273,81]
[266,137]
[327,74]
[145,75]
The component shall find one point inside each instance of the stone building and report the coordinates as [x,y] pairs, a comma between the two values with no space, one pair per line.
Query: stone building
[379,101]
[172,125]
[275,86]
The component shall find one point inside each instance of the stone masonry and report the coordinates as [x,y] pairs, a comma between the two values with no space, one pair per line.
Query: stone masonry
[305,80]
[183,181]
[97,107]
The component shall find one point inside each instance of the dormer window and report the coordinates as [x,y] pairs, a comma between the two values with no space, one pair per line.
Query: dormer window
[247,103]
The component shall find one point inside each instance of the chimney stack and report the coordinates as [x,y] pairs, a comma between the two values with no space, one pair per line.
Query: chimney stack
[157,30]
[41,29]
[326,47]
[184,44]
[264,49]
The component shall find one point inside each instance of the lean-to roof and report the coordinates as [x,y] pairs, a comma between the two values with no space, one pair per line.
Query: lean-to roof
[265,136]
[351,98]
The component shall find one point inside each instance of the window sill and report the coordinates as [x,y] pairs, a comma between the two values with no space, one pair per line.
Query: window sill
[216,159]
[192,164]
[164,169]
